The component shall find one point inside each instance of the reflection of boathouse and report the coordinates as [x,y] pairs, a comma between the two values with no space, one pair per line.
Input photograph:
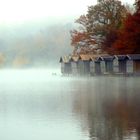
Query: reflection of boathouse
[103,64]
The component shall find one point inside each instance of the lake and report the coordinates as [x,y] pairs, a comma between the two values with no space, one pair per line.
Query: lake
[38,105]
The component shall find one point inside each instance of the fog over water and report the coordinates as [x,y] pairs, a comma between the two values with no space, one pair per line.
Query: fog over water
[36,101]
[35,104]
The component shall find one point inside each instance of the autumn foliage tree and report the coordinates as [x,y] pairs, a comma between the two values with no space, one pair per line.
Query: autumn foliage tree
[128,41]
[81,39]
[78,40]
[105,15]
[97,25]
[109,40]
[137,3]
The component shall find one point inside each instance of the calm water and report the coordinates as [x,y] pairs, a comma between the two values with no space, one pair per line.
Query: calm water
[35,105]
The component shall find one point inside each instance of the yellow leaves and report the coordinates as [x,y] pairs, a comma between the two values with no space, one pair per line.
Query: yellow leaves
[2,58]
[20,61]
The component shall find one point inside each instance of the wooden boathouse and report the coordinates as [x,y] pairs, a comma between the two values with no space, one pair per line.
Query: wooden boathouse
[108,63]
[136,62]
[122,63]
[83,64]
[95,68]
[75,64]
[66,67]
[97,62]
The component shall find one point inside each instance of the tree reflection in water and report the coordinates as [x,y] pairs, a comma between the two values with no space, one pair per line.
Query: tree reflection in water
[109,108]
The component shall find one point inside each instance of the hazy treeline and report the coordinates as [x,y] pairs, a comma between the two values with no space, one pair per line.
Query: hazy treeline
[29,45]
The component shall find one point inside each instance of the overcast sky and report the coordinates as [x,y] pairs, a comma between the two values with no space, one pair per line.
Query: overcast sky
[18,11]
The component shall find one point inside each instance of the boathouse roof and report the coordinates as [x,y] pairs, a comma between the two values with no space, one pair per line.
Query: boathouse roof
[121,57]
[107,58]
[94,57]
[98,59]
[65,59]
[84,57]
[75,58]
[134,56]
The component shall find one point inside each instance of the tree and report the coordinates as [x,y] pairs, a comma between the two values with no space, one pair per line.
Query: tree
[104,15]
[81,39]
[126,39]
[137,3]
[101,19]
[104,19]
[129,36]
[111,37]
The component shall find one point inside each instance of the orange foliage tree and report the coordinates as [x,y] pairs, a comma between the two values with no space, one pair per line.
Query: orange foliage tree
[97,27]
[81,39]
[128,41]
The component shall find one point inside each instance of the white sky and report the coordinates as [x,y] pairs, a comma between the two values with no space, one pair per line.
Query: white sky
[16,11]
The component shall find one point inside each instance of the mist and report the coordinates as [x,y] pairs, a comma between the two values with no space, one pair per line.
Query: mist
[31,45]
[37,102]
[36,105]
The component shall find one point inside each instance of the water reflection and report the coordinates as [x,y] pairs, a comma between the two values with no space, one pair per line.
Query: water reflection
[55,107]
[110,108]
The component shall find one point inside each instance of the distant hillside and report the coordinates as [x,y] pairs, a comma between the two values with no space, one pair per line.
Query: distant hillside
[29,46]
